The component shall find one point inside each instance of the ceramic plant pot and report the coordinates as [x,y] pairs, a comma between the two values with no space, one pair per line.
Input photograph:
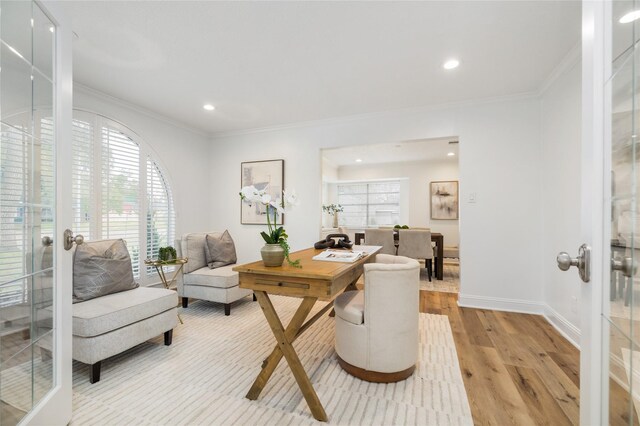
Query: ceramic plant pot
[335,220]
[272,255]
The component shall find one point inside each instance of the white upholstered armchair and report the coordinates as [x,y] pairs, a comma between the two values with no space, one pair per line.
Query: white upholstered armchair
[377,329]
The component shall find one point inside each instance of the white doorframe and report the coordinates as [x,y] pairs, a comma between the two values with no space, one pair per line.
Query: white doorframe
[55,407]
[592,408]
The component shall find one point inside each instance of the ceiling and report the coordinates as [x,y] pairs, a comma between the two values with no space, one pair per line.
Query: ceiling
[271,63]
[413,150]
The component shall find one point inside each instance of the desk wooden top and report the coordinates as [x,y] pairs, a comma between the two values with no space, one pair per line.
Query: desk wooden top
[311,269]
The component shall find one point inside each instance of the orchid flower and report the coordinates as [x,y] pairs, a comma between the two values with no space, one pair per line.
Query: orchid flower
[265,199]
[250,194]
[290,198]
[276,235]
[277,204]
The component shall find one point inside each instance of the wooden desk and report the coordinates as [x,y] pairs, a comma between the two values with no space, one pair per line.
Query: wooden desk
[436,237]
[316,280]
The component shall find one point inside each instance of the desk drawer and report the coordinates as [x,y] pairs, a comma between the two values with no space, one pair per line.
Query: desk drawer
[288,286]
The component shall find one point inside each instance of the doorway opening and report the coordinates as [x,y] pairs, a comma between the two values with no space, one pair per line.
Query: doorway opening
[409,184]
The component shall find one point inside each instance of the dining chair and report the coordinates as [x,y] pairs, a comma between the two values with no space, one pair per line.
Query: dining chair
[380,237]
[416,244]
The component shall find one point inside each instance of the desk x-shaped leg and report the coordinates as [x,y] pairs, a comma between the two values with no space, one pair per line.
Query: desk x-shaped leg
[285,338]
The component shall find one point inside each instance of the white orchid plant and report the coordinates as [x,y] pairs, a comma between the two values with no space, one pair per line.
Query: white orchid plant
[276,235]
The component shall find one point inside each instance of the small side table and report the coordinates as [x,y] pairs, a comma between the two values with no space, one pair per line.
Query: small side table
[160,264]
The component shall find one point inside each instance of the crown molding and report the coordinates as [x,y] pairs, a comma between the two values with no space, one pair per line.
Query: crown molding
[569,60]
[136,108]
[376,115]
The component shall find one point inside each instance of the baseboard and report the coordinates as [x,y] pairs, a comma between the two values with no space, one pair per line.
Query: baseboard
[560,323]
[564,327]
[500,304]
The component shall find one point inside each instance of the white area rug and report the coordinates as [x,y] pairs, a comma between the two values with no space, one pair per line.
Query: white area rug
[203,377]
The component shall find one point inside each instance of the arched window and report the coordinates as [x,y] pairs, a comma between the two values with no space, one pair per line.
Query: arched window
[119,190]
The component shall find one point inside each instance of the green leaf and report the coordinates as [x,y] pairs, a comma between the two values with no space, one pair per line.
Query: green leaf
[268,238]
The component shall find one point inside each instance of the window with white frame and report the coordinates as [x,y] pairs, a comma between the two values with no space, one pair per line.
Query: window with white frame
[120,191]
[25,208]
[369,204]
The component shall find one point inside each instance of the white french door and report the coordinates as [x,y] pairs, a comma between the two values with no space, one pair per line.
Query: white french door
[35,208]
[610,346]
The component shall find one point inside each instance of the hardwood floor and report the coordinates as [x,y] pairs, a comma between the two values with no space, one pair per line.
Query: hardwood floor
[517,369]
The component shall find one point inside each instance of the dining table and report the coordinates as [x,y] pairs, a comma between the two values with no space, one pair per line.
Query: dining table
[436,237]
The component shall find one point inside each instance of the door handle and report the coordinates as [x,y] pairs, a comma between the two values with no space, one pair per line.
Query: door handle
[69,239]
[624,265]
[582,262]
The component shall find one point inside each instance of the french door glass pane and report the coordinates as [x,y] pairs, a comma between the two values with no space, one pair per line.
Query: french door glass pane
[620,310]
[27,206]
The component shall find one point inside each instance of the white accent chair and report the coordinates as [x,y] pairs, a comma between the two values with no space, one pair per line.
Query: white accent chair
[380,237]
[198,281]
[416,244]
[108,325]
[377,329]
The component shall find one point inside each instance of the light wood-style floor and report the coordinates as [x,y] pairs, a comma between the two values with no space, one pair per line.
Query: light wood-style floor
[517,369]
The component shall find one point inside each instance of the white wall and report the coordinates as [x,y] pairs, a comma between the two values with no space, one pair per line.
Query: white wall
[419,174]
[329,191]
[182,153]
[561,145]
[499,161]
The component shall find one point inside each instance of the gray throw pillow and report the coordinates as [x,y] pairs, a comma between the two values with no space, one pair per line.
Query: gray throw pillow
[101,268]
[220,250]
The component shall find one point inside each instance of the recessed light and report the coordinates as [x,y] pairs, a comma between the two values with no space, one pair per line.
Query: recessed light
[451,64]
[52,28]
[358,160]
[451,154]
[630,17]
[209,107]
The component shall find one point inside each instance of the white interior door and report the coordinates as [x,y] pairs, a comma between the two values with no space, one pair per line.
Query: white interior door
[610,351]
[35,208]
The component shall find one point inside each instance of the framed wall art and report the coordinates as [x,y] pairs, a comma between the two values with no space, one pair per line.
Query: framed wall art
[267,175]
[444,200]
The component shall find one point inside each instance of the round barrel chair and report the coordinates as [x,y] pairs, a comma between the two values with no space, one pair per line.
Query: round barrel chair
[377,328]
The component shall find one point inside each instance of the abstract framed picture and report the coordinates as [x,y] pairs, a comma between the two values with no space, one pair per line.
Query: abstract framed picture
[264,175]
[444,200]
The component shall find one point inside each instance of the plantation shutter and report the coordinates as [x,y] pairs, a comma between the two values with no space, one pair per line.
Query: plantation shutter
[45,157]
[160,214]
[15,167]
[121,192]
[82,166]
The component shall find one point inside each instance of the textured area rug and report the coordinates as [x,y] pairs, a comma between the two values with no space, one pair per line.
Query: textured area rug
[203,376]
[450,282]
